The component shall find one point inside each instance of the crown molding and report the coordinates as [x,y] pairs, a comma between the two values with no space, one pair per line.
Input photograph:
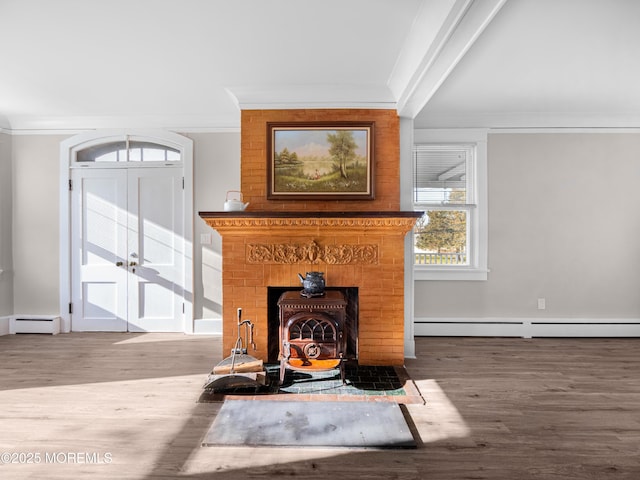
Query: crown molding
[283,97]
[319,105]
[532,120]
[498,131]
[71,125]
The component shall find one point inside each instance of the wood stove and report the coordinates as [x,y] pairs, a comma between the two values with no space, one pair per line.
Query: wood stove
[312,332]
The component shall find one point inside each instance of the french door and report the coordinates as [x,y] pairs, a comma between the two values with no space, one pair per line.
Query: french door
[127,249]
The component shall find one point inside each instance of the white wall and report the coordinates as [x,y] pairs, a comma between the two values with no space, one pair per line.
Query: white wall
[35,223]
[36,213]
[564,223]
[216,170]
[6,261]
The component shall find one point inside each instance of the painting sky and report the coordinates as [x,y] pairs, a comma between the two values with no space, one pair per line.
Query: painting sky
[314,142]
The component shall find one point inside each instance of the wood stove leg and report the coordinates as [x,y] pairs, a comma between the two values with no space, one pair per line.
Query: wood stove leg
[283,371]
[286,355]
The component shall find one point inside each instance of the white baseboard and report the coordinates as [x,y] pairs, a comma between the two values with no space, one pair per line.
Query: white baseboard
[35,324]
[5,325]
[527,327]
[207,326]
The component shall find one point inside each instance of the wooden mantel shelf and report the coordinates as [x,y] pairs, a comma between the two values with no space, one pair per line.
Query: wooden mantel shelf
[308,222]
[307,214]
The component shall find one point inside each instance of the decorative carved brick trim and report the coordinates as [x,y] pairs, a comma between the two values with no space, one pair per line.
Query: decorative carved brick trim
[309,222]
[293,253]
[300,224]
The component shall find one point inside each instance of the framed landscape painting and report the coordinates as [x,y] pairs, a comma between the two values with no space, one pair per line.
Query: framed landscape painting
[320,161]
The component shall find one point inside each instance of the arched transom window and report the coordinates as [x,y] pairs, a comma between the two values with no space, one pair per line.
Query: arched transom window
[126,150]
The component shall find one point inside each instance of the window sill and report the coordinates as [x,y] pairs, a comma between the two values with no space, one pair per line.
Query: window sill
[469,274]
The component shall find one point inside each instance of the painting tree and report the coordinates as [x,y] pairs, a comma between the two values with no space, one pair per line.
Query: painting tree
[343,149]
[286,157]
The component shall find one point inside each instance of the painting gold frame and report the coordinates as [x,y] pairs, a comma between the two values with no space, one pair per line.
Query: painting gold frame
[320,160]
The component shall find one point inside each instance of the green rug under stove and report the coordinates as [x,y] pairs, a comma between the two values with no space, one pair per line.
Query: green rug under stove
[360,380]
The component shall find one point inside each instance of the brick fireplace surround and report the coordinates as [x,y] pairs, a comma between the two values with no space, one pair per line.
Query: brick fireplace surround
[355,243]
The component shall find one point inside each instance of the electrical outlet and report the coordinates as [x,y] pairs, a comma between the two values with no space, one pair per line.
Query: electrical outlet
[542,304]
[205,239]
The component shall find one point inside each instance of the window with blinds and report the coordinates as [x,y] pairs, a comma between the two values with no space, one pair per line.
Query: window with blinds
[444,189]
[443,174]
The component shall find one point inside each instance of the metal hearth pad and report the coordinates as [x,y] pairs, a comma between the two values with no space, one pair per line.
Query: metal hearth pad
[309,424]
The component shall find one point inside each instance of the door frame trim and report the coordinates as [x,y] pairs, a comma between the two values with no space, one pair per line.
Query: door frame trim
[67,149]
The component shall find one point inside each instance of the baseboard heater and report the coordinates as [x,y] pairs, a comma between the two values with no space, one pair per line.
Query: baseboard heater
[47,325]
[527,327]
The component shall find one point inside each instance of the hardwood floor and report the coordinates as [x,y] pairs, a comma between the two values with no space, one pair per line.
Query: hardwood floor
[107,405]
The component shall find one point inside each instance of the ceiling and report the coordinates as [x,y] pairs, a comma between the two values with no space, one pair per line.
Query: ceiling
[547,63]
[193,64]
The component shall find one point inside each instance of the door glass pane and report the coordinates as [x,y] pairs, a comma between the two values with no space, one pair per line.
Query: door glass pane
[137,152]
[106,152]
[151,152]
[173,155]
